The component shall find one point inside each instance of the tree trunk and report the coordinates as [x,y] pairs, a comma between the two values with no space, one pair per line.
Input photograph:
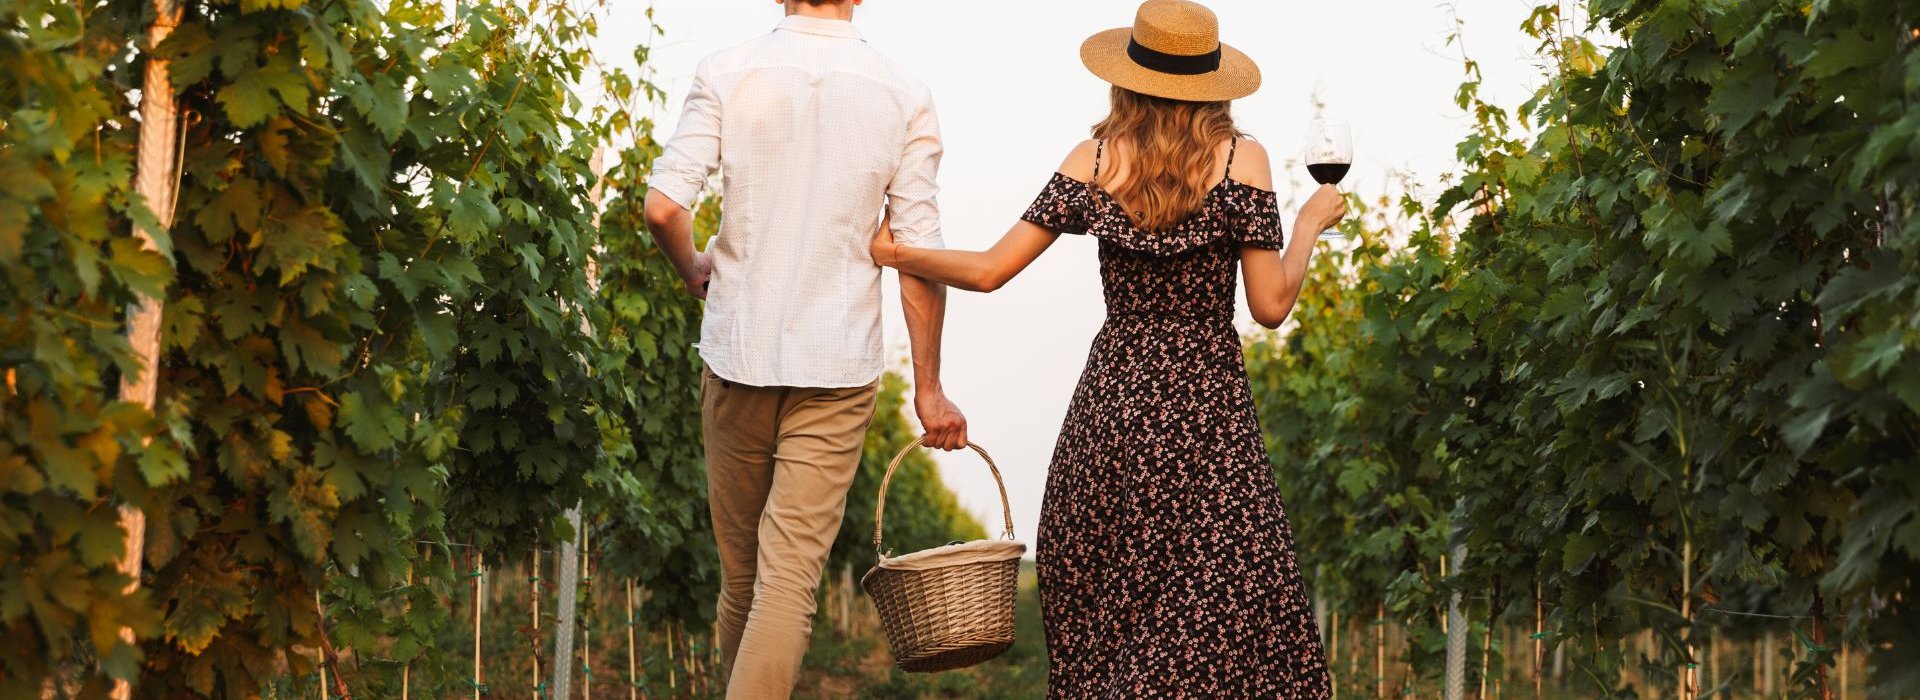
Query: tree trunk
[1456,636]
[155,181]
[562,683]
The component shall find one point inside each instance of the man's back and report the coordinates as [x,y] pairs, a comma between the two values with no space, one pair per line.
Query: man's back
[813,131]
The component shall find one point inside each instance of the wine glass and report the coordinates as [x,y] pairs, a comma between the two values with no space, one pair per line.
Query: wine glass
[1329,156]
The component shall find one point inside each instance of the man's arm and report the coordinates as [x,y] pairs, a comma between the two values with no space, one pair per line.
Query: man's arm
[915,221]
[672,228]
[925,304]
[679,174]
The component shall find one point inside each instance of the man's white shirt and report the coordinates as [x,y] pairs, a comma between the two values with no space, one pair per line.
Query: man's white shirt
[813,132]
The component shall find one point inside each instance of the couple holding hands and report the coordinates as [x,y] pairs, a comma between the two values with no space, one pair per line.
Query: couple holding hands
[1165,560]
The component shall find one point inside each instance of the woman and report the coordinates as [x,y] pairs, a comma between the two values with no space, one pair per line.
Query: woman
[1166,562]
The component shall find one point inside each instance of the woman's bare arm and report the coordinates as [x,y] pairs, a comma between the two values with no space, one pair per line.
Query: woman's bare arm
[1273,278]
[972,270]
[981,270]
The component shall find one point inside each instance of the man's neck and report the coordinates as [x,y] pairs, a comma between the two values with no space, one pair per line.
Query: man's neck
[842,11]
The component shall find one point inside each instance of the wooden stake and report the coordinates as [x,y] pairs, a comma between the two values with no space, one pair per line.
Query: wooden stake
[1690,667]
[1333,653]
[1820,640]
[1486,651]
[586,630]
[1539,636]
[479,604]
[156,180]
[1380,652]
[323,653]
[633,678]
[1714,674]
[846,599]
[406,671]
[687,662]
[1843,671]
[1769,657]
[1559,662]
[534,584]
[673,681]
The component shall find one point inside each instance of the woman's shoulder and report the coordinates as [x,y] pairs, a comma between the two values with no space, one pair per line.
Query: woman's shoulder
[1251,164]
[1082,160]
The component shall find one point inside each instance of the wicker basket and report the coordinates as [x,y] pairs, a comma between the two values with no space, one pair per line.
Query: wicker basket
[949,607]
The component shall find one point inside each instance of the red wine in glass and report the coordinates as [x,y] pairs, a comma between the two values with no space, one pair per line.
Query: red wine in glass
[1329,156]
[1328,173]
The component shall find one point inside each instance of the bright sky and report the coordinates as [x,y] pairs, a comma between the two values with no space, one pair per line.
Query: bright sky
[1013,99]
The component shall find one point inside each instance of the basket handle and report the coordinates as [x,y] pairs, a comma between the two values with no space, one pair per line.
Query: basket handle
[880,507]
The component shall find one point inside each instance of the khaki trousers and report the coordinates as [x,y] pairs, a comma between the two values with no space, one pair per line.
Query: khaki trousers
[779,461]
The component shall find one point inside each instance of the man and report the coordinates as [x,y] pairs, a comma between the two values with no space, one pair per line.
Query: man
[815,133]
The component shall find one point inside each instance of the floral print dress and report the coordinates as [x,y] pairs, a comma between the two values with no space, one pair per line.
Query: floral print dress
[1166,562]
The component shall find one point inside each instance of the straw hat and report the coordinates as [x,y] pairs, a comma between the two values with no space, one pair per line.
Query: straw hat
[1173,50]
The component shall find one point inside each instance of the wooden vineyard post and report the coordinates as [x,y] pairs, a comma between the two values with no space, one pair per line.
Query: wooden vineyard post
[533,584]
[1486,649]
[1320,603]
[846,601]
[1769,655]
[1380,651]
[1820,640]
[156,181]
[1333,653]
[323,653]
[633,665]
[1843,670]
[479,604]
[695,679]
[1690,669]
[673,681]
[1714,673]
[586,631]
[1539,636]
[406,670]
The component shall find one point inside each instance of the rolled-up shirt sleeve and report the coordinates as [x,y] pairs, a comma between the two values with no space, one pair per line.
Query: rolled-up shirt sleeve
[693,154]
[915,186]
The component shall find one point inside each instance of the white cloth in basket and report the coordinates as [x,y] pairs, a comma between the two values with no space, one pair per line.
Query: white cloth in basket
[975,552]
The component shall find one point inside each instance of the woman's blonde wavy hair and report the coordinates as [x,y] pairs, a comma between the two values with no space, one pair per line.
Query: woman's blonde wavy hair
[1171,146]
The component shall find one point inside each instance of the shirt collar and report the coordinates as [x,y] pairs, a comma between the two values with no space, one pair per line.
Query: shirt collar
[839,29]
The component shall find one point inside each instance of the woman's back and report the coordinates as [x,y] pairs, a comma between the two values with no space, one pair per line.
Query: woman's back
[1187,270]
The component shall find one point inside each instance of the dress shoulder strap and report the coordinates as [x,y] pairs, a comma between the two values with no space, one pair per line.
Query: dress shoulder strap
[1099,149]
[1232,147]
